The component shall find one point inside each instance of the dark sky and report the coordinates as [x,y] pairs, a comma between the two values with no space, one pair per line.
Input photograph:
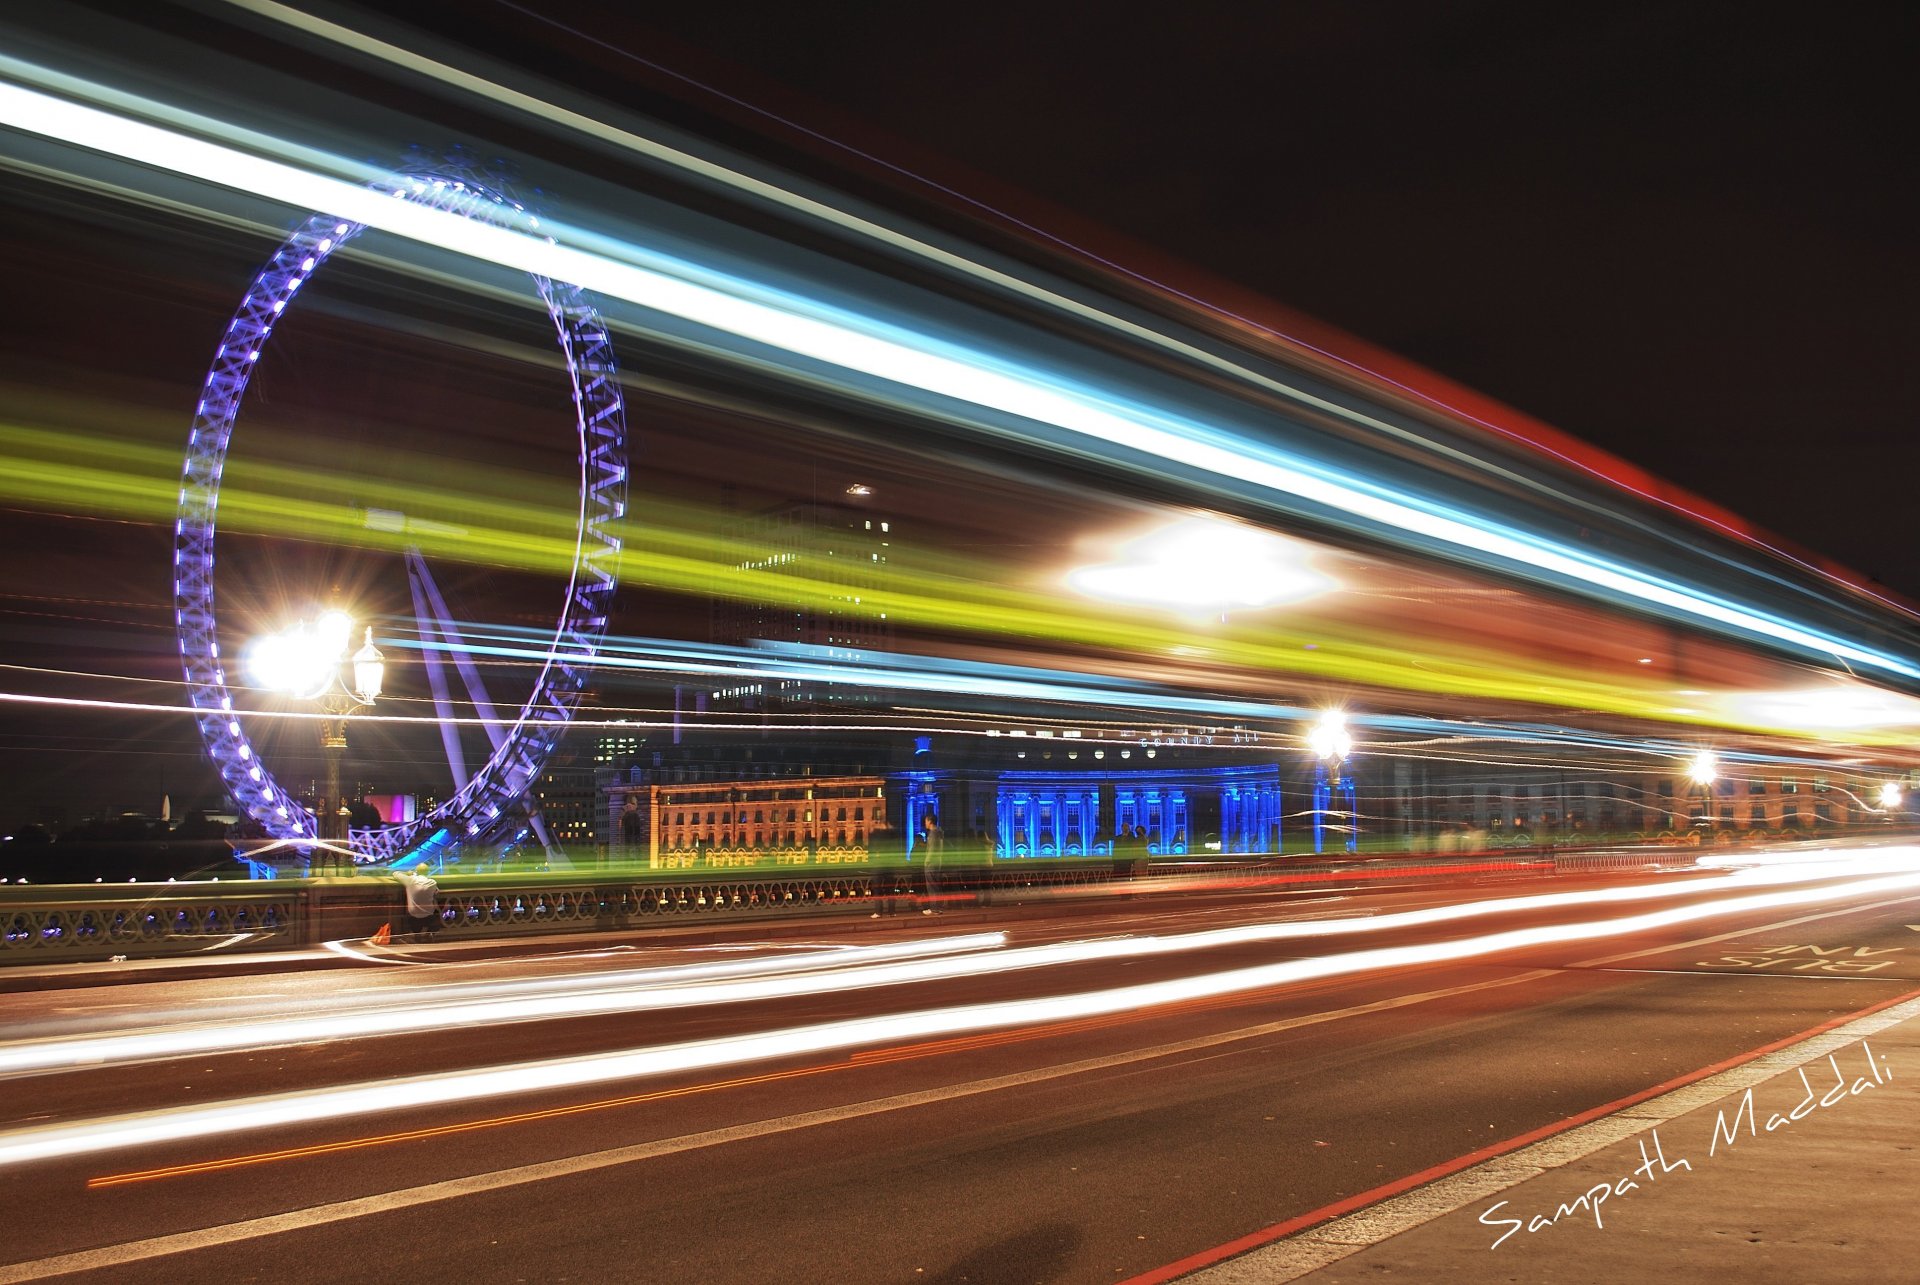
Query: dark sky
[1682,232]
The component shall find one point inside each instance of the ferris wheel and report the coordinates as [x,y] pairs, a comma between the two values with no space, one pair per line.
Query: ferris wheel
[489,806]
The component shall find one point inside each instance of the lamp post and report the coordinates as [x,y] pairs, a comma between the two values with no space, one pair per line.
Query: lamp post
[1330,743]
[310,662]
[1703,770]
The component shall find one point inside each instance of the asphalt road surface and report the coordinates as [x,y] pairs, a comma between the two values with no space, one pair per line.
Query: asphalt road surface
[1090,1097]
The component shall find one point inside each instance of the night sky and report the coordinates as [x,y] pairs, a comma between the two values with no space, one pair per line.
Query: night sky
[1681,232]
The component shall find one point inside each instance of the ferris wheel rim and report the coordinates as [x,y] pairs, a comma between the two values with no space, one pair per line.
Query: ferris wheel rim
[485,807]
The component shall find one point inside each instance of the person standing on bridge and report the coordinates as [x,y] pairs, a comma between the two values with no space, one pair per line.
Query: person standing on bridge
[630,824]
[932,851]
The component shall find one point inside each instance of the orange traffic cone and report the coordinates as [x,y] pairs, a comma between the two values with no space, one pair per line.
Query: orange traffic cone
[382,936]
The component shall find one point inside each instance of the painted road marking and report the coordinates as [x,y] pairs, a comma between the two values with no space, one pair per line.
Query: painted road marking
[1604,960]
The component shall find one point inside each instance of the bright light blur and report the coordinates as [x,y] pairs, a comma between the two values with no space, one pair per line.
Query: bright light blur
[1705,768]
[1329,739]
[1838,707]
[945,959]
[298,661]
[333,629]
[1890,795]
[492,1002]
[815,330]
[1204,563]
[24,1145]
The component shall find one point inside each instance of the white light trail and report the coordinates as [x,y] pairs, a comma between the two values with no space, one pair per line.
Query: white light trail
[441,1007]
[20,1146]
[607,133]
[905,964]
[868,347]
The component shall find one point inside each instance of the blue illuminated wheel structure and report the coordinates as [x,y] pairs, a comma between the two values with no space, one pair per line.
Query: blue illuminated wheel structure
[489,808]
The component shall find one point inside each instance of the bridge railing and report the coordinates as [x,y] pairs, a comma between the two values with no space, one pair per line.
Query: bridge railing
[62,923]
[56,923]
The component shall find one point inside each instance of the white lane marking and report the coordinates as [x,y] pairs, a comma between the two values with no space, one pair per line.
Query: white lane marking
[1310,1250]
[453,1189]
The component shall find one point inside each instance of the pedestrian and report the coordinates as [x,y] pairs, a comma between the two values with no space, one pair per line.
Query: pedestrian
[423,918]
[932,851]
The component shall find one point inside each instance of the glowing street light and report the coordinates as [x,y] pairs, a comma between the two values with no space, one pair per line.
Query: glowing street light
[1329,739]
[310,662]
[1330,743]
[1890,796]
[1704,769]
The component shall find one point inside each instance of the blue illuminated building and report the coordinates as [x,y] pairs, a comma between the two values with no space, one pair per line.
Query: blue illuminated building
[1226,809]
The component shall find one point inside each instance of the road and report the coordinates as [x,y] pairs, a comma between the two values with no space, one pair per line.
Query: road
[1092,1096]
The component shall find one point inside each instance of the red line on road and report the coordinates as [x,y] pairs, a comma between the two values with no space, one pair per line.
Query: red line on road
[1279,1231]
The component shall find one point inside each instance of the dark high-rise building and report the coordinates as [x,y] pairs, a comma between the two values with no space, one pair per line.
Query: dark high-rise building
[844,548]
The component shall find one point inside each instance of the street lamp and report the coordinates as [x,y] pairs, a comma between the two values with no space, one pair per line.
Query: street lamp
[1703,770]
[310,662]
[1330,743]
[1890,796]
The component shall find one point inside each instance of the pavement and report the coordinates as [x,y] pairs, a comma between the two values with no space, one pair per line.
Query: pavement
[1801,1164]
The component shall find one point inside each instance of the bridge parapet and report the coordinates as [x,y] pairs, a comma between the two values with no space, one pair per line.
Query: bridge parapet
[78,923]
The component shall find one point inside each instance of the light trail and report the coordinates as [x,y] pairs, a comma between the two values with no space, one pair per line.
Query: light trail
[21,1146]
[681,549]
[411,1016]
[607,133]
[32,1054]
[898,356]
